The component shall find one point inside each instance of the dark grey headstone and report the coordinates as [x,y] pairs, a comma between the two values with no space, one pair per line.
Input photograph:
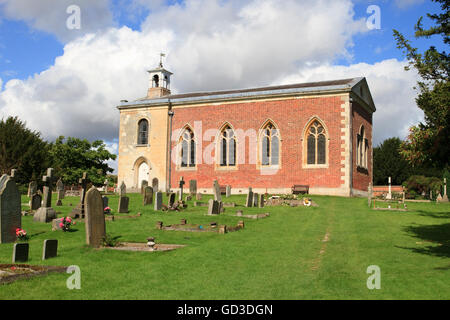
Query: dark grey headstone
[261,200]
[95,218]
[255,200]
[35,202]
[148,196]
[171,199]
[105,200]
[249,200]
[123,204]
[50,249]
[10,209]
[60,189]
[158,201]
[213,207]
[20,252]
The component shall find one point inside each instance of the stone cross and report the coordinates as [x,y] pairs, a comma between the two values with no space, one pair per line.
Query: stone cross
[182,182]
[105,185]
[123,189]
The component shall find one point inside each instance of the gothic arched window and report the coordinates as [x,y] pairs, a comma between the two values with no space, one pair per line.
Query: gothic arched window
[142,132]
[362,147]
[316,144]
[187,149]
[270,145]
[227,147]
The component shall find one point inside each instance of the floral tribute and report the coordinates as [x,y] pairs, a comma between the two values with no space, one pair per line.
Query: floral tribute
[65,223]
[21,234]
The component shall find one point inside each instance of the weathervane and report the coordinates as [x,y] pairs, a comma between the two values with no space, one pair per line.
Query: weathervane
[160,59]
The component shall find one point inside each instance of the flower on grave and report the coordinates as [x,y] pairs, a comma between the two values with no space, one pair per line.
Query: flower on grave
[306,202]
[21,234]
[107,210]
[65,223]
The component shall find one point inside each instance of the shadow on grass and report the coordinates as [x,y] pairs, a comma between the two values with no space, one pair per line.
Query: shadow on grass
[438,215]
[437,234]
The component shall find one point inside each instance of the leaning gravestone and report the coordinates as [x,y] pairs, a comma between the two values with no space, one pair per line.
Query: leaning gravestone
[95,218]
[50,249]
[249,200]
[148,196]
[10,209]
[46,213]
[158,201]
[35,202]
[192,187]
[20,252]
[123,199]
[216,190]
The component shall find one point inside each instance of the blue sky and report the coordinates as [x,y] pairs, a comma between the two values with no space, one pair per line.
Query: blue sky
[68,82]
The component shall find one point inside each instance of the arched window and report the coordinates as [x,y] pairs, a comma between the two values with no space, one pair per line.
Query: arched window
[155,81]
[316,144]
[227,147]
[270,145]
[142,132]
[187,149]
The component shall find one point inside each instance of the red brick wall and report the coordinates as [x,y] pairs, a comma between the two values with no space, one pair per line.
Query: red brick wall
[361,177]
[290,116]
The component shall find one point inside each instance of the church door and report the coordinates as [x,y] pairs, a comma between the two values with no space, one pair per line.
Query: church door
[143,173]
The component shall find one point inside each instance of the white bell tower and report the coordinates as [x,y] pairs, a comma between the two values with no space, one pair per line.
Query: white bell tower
[159,81]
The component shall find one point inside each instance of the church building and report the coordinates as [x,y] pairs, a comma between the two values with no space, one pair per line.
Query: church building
[317,134]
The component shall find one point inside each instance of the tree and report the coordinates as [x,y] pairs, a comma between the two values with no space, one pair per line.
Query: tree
[22,149]
[74,156]
[428,143]
[388,162]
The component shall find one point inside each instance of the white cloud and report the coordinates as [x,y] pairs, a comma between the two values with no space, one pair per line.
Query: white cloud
[391,87]
[51,16]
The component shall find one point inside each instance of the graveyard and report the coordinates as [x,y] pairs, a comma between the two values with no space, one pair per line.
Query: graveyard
[278,252]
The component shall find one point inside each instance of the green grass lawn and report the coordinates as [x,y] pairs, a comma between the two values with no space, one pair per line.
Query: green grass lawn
[283,256]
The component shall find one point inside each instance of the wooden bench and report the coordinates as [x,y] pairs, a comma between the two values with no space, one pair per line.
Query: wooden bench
[298,188]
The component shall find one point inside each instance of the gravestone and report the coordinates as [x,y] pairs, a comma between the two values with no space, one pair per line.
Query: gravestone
[148,196]
[249,200]
[105,200]
[228,191]
[144,184]
[261,200]
[78,211]
[213,207]
[60,189]
[46,213]
[155,184]
[10,209]
[123,199]
[256,200]
[170,199]
[95,218]
[35,202]
[181,184]
[439,198]
[32,188]
[198,196]
[50,249]
[216,190]
[105,185]
[158,201]
[20,252]
[192,187]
